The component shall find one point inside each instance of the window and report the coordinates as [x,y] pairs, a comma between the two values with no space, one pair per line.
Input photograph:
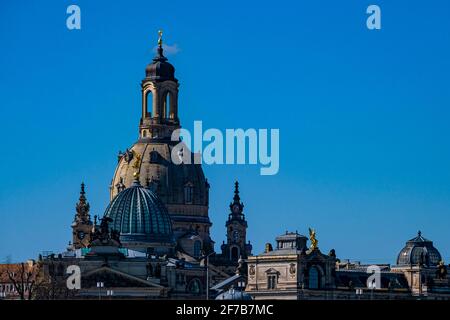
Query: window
[234,255]
[197,248]
[314,277]
[188,193]
[272,281]
[148,104]
[195,286]
[167,104]
[154,156]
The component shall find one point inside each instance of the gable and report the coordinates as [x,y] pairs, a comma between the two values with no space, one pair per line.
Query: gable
[114,279]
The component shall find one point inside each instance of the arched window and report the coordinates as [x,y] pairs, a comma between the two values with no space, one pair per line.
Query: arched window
[197,248]
[314,278]
[166,105]
[154,156]
[195,286]
[148,104]
[234,254]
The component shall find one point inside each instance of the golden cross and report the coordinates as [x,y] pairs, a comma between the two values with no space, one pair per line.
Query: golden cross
[160,41]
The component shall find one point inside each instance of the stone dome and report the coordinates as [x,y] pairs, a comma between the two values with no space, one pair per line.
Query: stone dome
[140,216]
[419,251]
[161,175]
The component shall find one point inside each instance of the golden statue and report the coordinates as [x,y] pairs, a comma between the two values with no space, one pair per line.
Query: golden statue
[312,238]
[160,41]
[137,163]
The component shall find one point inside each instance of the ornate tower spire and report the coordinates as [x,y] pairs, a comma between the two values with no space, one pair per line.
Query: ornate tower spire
[236,225]
[236,197]
[159,98]
[236,206]
[82,224]
[82,206]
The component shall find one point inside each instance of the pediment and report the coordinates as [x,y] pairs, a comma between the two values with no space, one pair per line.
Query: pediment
[272,270]
[316,255]
[113,278]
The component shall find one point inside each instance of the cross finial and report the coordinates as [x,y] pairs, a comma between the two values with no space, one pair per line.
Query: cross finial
[160,41]
[419,233]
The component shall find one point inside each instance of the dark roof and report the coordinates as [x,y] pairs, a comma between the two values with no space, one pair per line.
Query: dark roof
[358,279]
[419,250]
[159,69]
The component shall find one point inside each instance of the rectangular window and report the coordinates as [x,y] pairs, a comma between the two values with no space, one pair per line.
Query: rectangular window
[272,281]
[188,194]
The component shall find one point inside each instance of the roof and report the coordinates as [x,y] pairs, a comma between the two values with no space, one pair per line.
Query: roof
[290,236]
[227,282]
[139,215]
[234,294]
[281,252]
[358,279]
[419,250]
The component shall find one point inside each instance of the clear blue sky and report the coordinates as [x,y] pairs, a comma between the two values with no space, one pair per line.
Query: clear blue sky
[363,115]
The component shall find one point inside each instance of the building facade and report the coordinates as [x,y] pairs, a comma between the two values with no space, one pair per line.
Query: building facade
[293,271]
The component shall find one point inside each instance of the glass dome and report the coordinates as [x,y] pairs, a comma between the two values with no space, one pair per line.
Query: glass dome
[140,216]
[419,251]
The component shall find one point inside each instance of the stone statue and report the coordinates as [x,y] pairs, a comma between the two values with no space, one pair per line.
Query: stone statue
[102,235]
[128,156]
[241,268]
[441,272]
[332,253]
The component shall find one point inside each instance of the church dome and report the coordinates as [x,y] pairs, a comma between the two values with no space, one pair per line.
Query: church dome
[419,251]
[140,216]
[179,187]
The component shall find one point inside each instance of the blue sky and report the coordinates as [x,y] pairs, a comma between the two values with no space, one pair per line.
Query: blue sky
[363,115]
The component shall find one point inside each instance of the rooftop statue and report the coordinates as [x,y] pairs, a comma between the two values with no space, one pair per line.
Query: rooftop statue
[312,238]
